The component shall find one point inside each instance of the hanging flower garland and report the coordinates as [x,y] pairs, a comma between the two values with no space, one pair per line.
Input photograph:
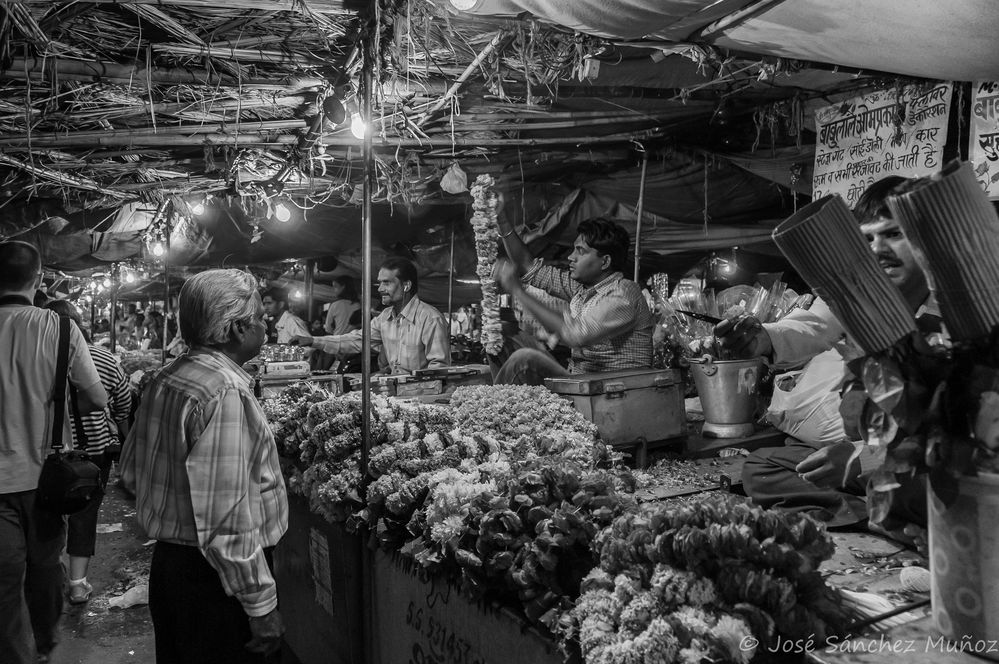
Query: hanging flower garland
[486,235]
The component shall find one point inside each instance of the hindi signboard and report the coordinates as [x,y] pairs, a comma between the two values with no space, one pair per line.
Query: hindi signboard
[889,132]
[984,148]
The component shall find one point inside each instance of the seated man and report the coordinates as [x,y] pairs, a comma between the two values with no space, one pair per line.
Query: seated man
[412,334]
[816,471]
[286,324]
[608,324]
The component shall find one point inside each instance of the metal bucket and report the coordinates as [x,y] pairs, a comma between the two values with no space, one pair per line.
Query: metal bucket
[728,390]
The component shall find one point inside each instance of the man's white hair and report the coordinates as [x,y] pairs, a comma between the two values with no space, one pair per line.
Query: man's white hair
[211,301]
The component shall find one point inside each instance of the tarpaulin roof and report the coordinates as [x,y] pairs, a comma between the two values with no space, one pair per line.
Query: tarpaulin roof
[950,40]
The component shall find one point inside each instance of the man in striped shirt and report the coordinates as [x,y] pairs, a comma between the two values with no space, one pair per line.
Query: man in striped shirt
[608,324]
[203,465]
[94,432]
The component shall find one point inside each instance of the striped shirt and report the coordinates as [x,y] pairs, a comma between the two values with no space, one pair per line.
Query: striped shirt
[415,338]
[608,326]
[202,462]
[102,428]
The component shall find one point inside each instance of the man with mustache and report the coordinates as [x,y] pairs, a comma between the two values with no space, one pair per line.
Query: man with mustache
[413,334]
[815,471]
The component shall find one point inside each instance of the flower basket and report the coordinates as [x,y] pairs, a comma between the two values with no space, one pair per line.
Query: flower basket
[964,555]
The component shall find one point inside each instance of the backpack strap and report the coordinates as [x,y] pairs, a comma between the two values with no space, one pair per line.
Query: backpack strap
[61,375]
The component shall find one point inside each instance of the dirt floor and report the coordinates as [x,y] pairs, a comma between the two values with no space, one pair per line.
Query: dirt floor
[98,632]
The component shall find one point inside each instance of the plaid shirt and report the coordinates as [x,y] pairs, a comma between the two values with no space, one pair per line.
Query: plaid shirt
[203,465]
[608,326]
[416,338]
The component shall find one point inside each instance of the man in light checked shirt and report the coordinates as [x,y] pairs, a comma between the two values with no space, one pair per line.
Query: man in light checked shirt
[608,324]
[202,463]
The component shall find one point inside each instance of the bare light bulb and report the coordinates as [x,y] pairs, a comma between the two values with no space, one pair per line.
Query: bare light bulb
[357,125]
[158,249]
[198,209]
[281,212]
[129,278]
[107,283]
[297,294]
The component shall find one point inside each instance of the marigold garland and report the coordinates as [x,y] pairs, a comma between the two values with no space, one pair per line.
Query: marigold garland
[486,236]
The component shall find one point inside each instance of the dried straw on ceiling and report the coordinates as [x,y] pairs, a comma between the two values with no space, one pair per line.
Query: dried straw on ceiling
[104,102]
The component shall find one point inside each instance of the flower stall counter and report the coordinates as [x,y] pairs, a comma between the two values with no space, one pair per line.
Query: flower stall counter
[508,498]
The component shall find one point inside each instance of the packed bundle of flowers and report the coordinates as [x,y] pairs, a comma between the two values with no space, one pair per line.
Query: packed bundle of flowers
[486,229]
[528,422]
[287,411]
[519,531]
[692,581]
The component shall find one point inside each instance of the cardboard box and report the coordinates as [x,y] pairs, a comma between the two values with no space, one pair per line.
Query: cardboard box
[630,406]
[420,617]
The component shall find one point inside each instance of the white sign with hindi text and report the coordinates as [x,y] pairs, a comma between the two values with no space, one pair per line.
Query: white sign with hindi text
[983,150]
[889,132]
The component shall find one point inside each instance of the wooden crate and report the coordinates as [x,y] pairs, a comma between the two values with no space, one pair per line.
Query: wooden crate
[317,566]
[422,618]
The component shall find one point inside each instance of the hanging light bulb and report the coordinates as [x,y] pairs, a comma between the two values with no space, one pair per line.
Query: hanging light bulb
[282,213]
[129,277]
[158,249]
[297,294]
[198,208]
[357,125]
[107,283]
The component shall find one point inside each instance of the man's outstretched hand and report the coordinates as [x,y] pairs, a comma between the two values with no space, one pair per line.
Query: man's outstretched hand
[300,340]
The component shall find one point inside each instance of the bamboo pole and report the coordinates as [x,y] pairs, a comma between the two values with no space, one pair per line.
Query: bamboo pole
[494,44]
[167,23]
[337,141]
[186,129]
[112,72]
[113,316]
[639,213]
[243,54]
[367,53]
[313,6]
[514,123]
[61,178]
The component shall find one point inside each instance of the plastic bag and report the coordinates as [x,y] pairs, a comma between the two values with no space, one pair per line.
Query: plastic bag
[809,410]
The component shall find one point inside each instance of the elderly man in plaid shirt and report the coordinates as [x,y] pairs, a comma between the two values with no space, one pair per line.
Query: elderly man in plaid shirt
[608,323]
[203,465]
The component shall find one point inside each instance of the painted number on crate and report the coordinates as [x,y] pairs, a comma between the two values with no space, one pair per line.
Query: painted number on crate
[436,643]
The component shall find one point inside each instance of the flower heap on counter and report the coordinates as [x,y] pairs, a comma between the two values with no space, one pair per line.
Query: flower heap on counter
[528,422]
[694,582]
[511,492]
[486,229]
[287,414]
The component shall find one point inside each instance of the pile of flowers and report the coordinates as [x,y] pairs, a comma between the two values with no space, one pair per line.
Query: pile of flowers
[528,422]
[683,583]
[286,413]
[486,236]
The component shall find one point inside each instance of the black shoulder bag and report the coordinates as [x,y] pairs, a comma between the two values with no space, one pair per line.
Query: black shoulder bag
[68,480]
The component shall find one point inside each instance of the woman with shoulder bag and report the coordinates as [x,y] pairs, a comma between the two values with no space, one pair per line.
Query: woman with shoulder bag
[94,432]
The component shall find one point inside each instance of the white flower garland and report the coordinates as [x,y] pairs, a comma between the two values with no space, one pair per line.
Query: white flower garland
[486,236]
